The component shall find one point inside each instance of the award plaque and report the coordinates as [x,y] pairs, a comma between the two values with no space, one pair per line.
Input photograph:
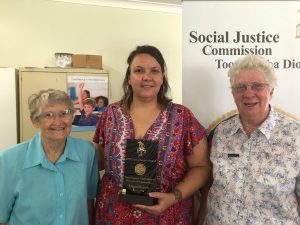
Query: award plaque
[140,172]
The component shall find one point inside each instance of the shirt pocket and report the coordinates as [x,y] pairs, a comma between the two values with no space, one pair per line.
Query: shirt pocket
[226,167]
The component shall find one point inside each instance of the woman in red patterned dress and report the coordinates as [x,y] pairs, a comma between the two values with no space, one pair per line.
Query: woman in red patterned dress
[145,113]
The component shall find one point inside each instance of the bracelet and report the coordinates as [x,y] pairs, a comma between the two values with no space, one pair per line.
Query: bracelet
[178,195]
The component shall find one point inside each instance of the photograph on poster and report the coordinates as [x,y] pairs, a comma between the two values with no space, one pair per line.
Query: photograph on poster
[89,95]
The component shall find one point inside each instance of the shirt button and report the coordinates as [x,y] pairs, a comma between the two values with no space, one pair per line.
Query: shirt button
[61,194]
[60,216]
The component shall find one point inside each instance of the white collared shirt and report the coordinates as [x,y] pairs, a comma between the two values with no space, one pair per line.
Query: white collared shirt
[256,178]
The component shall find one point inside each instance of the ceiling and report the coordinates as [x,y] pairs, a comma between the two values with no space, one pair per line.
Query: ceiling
[174,6]
[173,2]
[171,6]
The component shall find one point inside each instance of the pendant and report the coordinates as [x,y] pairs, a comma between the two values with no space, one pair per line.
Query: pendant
[141,149]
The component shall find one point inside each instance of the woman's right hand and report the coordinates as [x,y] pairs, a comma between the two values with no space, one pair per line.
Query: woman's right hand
[165,200]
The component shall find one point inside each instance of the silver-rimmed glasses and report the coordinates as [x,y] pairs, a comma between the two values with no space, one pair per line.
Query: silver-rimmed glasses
[63,115]
[255,86]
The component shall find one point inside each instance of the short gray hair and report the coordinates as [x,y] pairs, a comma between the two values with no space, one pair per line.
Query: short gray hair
[253,62]
[47,97]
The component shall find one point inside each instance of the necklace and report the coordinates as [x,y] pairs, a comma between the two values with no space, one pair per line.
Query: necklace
[141,150]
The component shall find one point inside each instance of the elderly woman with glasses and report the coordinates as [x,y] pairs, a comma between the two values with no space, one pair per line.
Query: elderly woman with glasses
[52,178]
[255,154]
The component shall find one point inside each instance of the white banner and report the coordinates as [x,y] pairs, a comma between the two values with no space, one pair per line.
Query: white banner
[216,33]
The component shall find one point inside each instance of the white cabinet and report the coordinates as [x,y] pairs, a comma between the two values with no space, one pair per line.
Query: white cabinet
[8,99]
[32,80]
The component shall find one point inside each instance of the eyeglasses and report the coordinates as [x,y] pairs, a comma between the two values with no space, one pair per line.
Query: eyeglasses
[63,115]
[257,87]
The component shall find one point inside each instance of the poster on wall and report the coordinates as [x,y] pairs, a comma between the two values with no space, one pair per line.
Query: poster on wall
[216,33]
[94,99]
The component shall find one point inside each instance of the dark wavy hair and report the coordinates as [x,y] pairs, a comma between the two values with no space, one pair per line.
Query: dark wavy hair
[162,98]
[104,99]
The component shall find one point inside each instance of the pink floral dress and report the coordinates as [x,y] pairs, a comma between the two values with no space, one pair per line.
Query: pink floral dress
[177,132]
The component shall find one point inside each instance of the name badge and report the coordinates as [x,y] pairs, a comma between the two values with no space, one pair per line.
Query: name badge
[232,155]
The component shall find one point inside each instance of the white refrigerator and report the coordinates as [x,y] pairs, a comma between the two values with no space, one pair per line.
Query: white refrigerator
[8,112]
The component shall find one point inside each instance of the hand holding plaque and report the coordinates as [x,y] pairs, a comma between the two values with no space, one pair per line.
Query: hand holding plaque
[140,172]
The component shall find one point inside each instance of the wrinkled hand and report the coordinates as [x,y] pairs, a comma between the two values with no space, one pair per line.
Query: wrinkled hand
[165,200]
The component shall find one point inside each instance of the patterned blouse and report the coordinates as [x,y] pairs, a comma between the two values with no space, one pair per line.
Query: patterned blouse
[256,178]
[177,132]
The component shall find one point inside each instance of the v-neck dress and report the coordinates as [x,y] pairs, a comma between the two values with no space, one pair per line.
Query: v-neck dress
[177,132]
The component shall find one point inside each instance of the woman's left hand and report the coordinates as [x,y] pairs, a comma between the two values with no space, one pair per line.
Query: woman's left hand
[165,200]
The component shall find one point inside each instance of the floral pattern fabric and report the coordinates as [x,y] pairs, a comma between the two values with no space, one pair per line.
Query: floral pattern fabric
[256,178]
[177,132]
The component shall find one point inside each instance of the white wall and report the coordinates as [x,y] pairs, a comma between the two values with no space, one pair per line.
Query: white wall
[8,118]
[31,31]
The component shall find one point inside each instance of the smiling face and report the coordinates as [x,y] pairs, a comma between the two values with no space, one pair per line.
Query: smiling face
[253,105]
[57,127]
[88,109]
[146,77]
[100,102]
[85,95]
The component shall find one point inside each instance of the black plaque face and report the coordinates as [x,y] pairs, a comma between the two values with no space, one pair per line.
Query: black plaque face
[139,172]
